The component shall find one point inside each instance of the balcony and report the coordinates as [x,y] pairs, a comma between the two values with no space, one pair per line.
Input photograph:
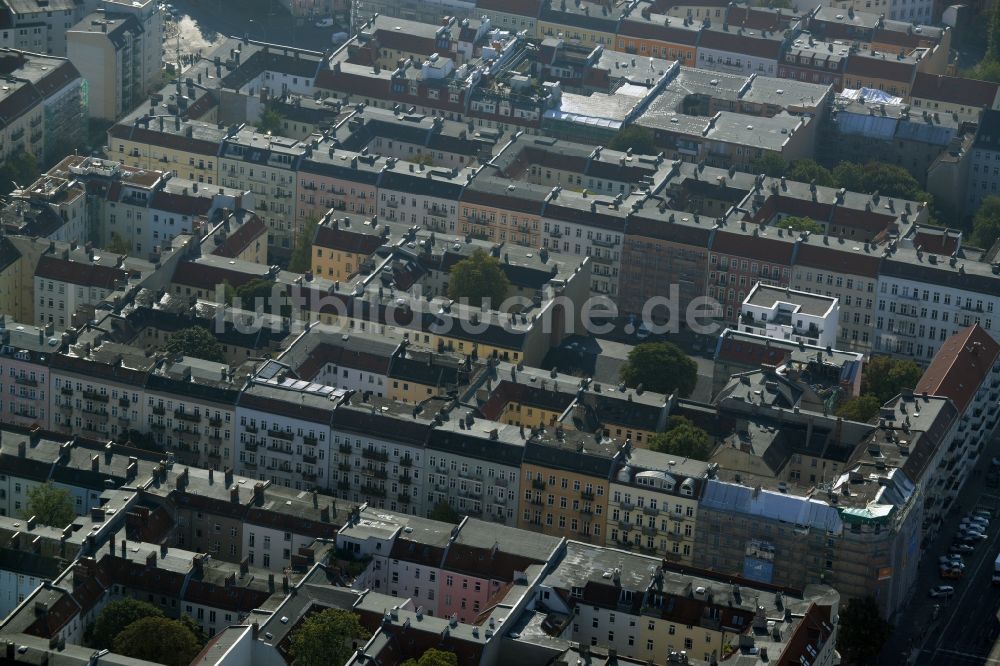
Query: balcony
[306,458]
[66,390]
[215,422]
[587,495]
[309,477]
[100,411]
[373,490]
[344,467]
[94,395]
[187,416]
[310,440]
[406,479]
[649,511]
[250,465]
[345,449]
[500,481]
[215,439]
[372,454]
[26,381]
[538,484]
[281,434]
[343,484]
[586,509]
[124,402]
[159,410]
[250,446]
[250,429]
[537,501]
[406,461]
[376,473]
[157,426]
[404,498]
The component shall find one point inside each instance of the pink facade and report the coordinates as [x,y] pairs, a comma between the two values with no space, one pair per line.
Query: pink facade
[326,181]
[24,377]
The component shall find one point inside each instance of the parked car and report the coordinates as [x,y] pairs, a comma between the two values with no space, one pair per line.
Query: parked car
[962,548]
[951,559]
[942,591]
[985,513]
[975,536]
[325,23]
[951,574]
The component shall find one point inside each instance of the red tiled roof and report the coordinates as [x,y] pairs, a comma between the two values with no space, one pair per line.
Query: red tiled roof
[758,247]
[960,366]
[888,68]
[182,204]
[240,240]
[347,240]
[955,90]
[733,42]
[77,272]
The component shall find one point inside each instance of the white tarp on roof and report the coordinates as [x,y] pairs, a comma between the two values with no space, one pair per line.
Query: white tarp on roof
[792,509]
[870,96]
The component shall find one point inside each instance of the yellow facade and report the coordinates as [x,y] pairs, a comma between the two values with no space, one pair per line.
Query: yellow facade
[199,167]
[412,392]
[516,413]
[652,522]
[500,225]
[562,504]
[333,264]
[575,35]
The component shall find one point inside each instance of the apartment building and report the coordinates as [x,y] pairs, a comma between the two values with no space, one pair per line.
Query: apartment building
[653,504]
[642,609]
[338,180]
[266,166]
[791,315]
[984,175]
[44,107]
[426,196]
[964,99]
[120,52]
[565,479]
[379,457]
[24,375]
[190,408]
[965,369]
[474,466]
[187,148]
[42,28]
[284,430]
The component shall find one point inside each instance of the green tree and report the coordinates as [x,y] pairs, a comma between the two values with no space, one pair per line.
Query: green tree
[477,278]
[301,260]
[861,408]
[883,377]
[261,291]
[326,637]
[118,245]
[806,171]
[195,341]
[889,180]
[50,505]
[795,223]
[863,632]
[427,159]
[445,512]
[993,38]
[434,657]
[158,639]
[683,439]
[661,367]
[986,223]
[113,619]
[984,71]
[639,139]
[270,121]
[21,168]
[769,164]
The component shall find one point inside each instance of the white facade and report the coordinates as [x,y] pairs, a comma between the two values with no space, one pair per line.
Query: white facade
[384,473]
[270,548]
[913,318]
[785,314]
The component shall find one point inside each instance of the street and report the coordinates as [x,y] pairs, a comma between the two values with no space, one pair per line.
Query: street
[966,627]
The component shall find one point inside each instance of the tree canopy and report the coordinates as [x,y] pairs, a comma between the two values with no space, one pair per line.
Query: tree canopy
[661,367]
[883,377]
[863,632]
[195,341]
[22,168]
[807,171]
[639,139]
[158,639]
[861,408]
[118,245]
[270,121]
[445,513]
[683,439]
[986,223]
[434,657]
[50,505]
[114,617]
[301,260]
[769,164]
[993,38]
[888,180]
[796,223]
[478,278]
[326,637]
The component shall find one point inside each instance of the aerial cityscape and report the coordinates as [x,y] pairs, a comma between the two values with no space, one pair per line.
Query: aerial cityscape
[499,332]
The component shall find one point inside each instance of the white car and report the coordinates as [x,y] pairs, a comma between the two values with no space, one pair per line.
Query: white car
[983,513]
[942,591]
[325,23]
